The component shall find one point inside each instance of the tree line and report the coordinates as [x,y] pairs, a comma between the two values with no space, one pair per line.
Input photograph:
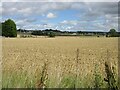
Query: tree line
[9,30]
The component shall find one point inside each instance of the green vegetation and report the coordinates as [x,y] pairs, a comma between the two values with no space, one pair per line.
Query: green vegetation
[98,78]
[41,80]
[0,29]
[110,77]
[113,33]
[9,28]
[51,34]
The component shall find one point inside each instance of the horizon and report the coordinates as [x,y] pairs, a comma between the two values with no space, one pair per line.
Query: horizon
[63,30]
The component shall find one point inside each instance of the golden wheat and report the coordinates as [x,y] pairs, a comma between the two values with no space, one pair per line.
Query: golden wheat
[29,55]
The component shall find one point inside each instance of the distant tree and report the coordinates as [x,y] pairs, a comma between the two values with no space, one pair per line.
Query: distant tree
[113,33]
[51,34]
[9,28]
[37,32]
[107,35]
[0,29]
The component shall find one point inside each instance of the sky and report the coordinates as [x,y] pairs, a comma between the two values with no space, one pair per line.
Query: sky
[64,16]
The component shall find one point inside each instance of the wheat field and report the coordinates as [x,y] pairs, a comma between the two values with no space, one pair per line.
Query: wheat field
[66,61]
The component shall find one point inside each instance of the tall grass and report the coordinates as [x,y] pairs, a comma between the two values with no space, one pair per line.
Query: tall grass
[110,77]
[41,80]
[76,71]
[110,74]
[41,83]
[98,82]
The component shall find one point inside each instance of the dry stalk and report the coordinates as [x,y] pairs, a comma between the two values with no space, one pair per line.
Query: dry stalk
[110,78]
[44,76]
[77,61]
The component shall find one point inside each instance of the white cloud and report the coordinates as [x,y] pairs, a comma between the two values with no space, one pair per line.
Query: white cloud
[69,27]
[38,8]
[64,22]
[51,15]
[60,0]
[25,11]
[90,16]
[38,26]
[69,22]
[24,22]
[21,23]
[0,8]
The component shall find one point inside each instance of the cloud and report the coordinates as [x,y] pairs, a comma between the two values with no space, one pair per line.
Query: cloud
[39,26]
[24,22]
[70,22]
[51,15]
[0,8]
[95,9]
[39,8]
[26,11]
[60,0]
[90,15]
[64,22]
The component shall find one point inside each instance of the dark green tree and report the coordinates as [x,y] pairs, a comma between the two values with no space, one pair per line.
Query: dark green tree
[51,34]
[9,28]
[0,29]
[113,33]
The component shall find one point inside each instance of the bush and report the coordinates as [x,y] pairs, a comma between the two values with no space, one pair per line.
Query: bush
[51,34]
[25,36]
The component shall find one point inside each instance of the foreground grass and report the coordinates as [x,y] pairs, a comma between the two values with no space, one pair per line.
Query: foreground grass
[23,80]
